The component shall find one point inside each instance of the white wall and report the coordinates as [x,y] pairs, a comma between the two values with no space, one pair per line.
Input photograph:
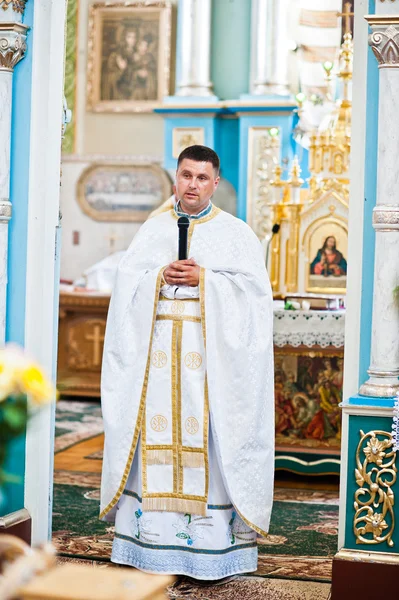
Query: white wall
[94,243]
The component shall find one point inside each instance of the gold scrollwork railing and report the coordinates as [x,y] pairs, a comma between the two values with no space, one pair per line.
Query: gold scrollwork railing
[374,520]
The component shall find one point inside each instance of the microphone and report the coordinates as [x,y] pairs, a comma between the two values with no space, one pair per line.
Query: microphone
[183,224]
[275,230]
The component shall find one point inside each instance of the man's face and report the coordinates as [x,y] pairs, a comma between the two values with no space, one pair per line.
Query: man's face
[195,185]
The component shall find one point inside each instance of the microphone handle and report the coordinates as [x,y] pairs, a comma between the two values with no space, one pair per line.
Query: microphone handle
[267,252]
[183,238]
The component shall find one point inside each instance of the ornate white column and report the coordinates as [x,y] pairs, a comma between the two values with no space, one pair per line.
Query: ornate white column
[194,48]
[269,48]
[12,49]
[384,367]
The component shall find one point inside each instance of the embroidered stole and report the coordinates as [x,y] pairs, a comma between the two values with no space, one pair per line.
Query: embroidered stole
[175,425]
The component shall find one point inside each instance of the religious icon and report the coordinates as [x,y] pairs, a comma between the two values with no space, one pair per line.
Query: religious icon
[308,391]
[129,56]
[329,260]
[122,191]
[327,253]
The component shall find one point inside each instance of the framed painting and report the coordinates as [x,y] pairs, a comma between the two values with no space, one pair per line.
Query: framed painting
[326,249]
[122,192]
[129,56]
[308,391]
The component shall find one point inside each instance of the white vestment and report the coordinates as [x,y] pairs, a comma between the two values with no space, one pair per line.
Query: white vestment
[172,370]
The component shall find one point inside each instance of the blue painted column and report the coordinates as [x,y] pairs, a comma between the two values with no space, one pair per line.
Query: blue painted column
[186,125]
[368,554]
[19,178]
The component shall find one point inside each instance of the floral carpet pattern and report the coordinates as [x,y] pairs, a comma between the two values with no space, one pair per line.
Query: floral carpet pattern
[303,532]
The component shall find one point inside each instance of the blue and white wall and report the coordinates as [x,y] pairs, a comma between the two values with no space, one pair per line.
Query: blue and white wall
[32,276]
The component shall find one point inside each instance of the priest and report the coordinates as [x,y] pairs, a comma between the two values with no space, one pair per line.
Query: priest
[187,390]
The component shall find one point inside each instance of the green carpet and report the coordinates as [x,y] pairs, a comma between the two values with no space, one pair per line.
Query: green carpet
[303,532]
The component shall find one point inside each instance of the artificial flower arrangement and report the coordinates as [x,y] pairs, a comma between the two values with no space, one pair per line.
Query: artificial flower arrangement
[24,389]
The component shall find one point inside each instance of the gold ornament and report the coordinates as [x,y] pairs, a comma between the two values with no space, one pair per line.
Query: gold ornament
[375,473]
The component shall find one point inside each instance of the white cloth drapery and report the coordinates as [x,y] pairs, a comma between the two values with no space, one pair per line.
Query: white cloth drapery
[236,318]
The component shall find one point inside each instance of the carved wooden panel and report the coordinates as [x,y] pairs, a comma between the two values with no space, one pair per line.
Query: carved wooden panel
[82,323]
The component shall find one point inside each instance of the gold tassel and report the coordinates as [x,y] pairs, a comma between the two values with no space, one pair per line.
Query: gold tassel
[181,505]
[193,460]
[159,457]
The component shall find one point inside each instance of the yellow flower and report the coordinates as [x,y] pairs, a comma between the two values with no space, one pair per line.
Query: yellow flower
[36,385]
[11,360]
[20,375]
[7,382]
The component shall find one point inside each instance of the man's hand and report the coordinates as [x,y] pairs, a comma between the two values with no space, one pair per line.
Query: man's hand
[182,272]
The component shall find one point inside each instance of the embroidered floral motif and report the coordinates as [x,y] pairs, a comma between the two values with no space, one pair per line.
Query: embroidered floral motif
[238,530]
[191,528]
[142,528]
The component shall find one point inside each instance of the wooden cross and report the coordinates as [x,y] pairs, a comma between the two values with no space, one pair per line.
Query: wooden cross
[97,340]
[346,17]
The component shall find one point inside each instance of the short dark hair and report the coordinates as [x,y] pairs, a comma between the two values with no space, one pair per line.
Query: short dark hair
[200,154]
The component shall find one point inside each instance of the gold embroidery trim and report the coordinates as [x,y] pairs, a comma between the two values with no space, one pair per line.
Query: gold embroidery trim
[205,435]
[164,299]
[251,525]
[175,496]
[159,457]
[141,407]
[193,460]
[143,450]
[176,450]
[183,505]
[179,327]
[178,318]
[170,447]
[174,407]
[202,303]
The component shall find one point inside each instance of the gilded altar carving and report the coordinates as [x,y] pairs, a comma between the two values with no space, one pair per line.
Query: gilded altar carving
[68,144]
[18,6]
[263,156]
[312,242]
[12,44]
[375,474]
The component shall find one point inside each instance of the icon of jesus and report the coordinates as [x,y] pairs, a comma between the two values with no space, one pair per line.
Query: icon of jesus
[329,260]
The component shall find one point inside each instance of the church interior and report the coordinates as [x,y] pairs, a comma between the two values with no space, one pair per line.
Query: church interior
[297,99]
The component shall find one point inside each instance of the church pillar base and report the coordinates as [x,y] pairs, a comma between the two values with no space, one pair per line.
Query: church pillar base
[18,523]
[366,575]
